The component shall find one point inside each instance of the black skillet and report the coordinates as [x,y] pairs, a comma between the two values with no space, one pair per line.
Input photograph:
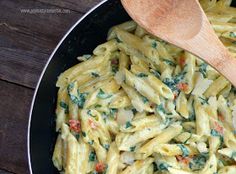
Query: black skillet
[81,39]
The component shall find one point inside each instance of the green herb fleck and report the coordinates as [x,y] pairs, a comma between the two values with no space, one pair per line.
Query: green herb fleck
[134,111]
[199,161]
[131,149]
[154,44]
[232,34]
[112,112]
[179,77]
[172,83]
[95,74]
[203,69]
[185,151]
[92,156]
[163,166]
[169,62]
[101,94]
[65,107]
[190,136]
[215,133]
[142,75]
[89,112]
[98,106]
[233,155]
[70,87]
[106,146]
[84,134]
[160,108]
[91,142]
[155,73]
[77,136]
[203,100]
[144,99]
[128,124]
[155,167]
[81,99]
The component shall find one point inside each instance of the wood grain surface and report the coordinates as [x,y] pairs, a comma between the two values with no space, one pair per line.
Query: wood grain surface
[29,32]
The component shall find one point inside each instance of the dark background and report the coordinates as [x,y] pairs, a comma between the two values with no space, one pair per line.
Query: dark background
[26,41]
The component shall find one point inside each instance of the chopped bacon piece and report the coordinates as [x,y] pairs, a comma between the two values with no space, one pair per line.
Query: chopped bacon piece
[75,125]
[100,167]
[219,128]
[221,117]
[181,61]
[182,159]
[182,86]
[92,124]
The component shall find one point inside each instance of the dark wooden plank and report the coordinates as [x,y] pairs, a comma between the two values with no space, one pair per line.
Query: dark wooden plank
[21,66]
[5,172]
[78,5]
[29,35]
[14,110]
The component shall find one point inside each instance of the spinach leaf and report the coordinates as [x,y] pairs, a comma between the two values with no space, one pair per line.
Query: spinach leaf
[154,44]
[203,100]
[232,34]
[106,146]
[65,107]
[160,108]
[144,99]
[131,149]
[203,69]
[142,75]
[215,133]
[92,156]
[198,162]
[169,62]
[155,73]
[128,124]
[81,99]
[185,151]
[95,74]
[163,166]
[102,95]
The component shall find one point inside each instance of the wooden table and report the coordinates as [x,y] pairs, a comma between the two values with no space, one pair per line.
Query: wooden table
[29,31]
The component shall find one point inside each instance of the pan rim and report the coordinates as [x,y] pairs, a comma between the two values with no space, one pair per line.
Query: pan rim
[42,74]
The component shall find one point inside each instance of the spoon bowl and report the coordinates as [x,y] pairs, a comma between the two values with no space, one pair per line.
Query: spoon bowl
[184,24]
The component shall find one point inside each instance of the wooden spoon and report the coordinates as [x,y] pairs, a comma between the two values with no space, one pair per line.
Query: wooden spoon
[184,24]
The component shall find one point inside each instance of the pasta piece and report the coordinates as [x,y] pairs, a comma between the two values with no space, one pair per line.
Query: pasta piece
[218,84]
[128,141]
[231,153]
[65,77]
[164,137]
[142,87]
[175,149]
[139,167]
[57,153]
[83,151]
[62,108]
[181,105]
[137,43]
[227,170]
[106,48]
[202,120]
[127,26]
[72,155]
[123,61]
[112,159]
[136,99]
